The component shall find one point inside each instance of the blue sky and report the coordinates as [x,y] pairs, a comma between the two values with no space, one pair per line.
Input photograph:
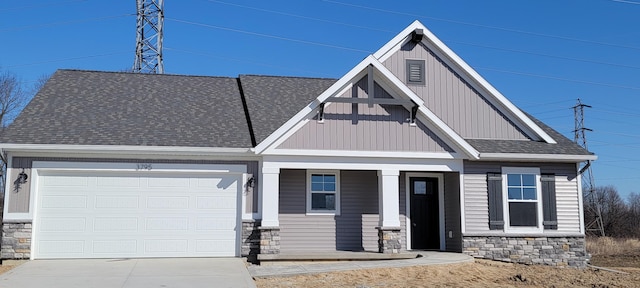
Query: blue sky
[542,55]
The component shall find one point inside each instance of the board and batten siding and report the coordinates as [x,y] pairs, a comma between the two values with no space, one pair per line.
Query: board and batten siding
[19,202]
[452,99]
[353,230]
[359,127]
[476,201]
[452,231]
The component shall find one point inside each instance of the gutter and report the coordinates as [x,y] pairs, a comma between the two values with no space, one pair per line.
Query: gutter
[534,157]
[128,149]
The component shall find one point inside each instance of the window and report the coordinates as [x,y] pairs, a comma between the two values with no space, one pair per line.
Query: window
[415,72]
[323,192]
[522,206]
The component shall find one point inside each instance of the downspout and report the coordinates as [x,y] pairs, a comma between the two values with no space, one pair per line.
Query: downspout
[585,168]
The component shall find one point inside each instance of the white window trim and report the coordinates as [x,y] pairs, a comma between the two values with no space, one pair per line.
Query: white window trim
[505,199]
[308,194]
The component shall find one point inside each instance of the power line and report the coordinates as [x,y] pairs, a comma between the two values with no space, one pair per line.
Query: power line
[626,1]
[558,78]
[41,6]
[66,59]
[62,23]
[301,16]
[546,55]
[269,36]
[484,26]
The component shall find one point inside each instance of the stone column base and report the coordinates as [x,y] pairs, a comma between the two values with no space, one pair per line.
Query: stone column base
[269,240]
[250,238]
[16,240]
[389,239]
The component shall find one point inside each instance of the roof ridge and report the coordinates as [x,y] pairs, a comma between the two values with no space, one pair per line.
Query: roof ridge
[281,76]
[146,74]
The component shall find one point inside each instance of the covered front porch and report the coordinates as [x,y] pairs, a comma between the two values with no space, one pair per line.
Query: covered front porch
[327,207]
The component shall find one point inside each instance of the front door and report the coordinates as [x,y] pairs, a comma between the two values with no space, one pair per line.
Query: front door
[425,223]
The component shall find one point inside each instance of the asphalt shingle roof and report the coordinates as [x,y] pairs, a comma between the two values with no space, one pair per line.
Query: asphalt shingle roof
[109,108]
[272,100]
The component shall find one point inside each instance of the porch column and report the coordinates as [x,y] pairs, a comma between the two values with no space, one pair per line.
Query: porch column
[389,198]
[270,225]
[389,211]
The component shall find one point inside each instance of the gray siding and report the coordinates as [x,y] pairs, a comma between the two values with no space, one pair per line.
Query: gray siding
[452,99]
[19,202]
[360,127]
[475,194]
[352,230]
[453,232]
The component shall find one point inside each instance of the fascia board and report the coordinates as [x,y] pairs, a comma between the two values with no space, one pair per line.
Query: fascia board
[436,122]
[124,149]
[333,90]
[396,43]
[537,157]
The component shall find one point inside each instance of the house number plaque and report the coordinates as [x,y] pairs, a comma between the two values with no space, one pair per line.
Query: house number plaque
[144,166]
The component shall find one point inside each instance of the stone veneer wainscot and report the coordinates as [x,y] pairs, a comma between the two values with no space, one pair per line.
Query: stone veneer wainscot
[554,251]
[16,240]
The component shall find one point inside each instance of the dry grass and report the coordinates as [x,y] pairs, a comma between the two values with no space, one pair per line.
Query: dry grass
[607,246]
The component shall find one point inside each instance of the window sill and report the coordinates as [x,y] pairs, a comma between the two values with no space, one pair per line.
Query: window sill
[319,213]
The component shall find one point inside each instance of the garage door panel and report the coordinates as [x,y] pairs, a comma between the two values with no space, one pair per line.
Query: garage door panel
[114,202]
[64,201]
[115,224]
[100,215]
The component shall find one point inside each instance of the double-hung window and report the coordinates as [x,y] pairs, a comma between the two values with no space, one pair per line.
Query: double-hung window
[323,192]
[523,208]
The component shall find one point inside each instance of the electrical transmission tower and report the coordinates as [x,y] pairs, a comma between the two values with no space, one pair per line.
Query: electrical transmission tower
[595,225]
[150,18]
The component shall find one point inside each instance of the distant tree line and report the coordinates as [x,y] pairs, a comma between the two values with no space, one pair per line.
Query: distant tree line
[620,218]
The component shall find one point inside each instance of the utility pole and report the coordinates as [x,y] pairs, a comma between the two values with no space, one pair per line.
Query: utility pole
[595,225]
[150,18]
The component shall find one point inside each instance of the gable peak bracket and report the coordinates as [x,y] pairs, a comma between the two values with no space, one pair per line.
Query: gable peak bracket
[321,113]
[414,111]
[416,35]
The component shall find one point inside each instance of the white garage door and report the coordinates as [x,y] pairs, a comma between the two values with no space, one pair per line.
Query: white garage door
[120,215]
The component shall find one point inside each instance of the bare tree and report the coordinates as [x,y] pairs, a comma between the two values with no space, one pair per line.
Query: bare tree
[12,97]
[613,209]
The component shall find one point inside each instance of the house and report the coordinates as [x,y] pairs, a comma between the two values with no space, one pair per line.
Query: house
[409,150]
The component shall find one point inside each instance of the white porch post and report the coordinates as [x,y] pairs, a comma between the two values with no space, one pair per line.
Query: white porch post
[270,226]
[270,195]
[389,198]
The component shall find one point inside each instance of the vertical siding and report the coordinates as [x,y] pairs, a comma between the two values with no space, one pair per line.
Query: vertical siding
[19,199]
[349,126]
[475,184]
[452,99]
[453,242]
[19,202]
[353,230]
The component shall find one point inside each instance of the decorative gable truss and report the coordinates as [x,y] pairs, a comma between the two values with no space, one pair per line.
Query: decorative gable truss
[392,93]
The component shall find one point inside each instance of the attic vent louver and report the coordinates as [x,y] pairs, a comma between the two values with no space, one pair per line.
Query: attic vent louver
[415,72]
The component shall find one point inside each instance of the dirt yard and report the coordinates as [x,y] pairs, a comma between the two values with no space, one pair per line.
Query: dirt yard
[619,254]
[481,273]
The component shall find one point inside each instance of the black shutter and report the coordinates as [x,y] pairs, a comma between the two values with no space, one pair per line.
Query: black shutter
[494,185]
[550,215]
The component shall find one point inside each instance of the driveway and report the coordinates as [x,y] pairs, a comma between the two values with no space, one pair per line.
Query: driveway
[130,273]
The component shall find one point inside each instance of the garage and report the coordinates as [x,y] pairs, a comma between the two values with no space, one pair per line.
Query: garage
[136,214]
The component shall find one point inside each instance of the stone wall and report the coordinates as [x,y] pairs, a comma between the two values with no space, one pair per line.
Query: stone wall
[16,241]
[250,238]
[554,251]
[389,240]
[269,240]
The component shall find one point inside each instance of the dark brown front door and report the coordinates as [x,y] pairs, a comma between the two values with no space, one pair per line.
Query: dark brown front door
[425,223]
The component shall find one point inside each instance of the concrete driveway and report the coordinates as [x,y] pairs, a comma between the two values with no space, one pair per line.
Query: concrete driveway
[130,273]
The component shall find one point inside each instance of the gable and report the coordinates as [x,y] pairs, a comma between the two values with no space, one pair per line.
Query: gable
[463,108]
[361,127]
